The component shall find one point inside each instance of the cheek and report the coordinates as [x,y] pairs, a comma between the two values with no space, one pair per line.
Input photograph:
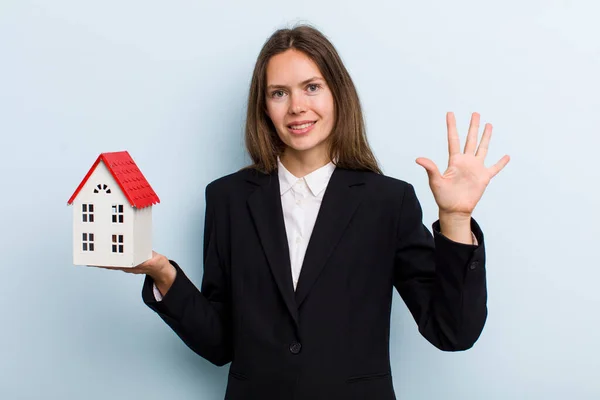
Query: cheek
[276,112]
[324,106]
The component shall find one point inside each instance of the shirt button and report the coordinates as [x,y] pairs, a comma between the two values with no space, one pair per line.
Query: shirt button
[298,202]
[295,347]
[298,240]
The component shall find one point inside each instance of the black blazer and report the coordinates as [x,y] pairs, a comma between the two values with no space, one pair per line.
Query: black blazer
[330,338]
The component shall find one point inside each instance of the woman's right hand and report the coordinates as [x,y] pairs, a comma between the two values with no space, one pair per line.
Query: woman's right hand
[157,267]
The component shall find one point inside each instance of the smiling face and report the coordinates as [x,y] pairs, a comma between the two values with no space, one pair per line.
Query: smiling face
[300,105]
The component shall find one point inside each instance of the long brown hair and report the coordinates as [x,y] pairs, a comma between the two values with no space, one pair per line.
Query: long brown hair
[349,147]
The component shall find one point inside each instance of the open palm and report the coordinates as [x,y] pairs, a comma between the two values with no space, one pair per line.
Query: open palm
[460,187]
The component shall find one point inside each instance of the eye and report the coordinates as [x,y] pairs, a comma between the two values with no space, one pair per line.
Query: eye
[277,93]
[313,87]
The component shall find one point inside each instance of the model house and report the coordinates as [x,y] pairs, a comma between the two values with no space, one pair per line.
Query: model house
[112,214]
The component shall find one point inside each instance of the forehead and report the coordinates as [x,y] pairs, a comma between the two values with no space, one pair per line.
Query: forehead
[291,66]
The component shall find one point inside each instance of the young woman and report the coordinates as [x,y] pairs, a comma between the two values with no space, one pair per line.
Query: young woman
[302,250]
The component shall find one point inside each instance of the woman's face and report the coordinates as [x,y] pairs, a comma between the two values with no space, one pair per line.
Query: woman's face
[299,103]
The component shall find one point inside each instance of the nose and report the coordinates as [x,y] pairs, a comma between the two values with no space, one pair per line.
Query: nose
[297,104]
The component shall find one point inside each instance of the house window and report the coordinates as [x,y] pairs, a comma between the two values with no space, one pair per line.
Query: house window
[117,213]
[87,212]
[87,242]
[117,243]
[102,188]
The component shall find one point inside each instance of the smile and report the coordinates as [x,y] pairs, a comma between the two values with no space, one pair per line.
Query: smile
[301,128]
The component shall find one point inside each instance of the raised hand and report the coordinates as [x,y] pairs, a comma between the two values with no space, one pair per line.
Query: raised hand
[458,190]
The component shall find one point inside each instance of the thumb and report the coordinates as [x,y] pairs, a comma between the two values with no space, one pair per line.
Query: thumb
[430,167]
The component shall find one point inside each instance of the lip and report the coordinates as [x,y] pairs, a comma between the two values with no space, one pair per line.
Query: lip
[301,131]
[308,121]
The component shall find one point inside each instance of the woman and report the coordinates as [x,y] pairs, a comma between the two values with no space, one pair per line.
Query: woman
[303,248]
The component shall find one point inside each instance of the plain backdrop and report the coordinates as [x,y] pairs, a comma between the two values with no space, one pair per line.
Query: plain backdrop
[168,82]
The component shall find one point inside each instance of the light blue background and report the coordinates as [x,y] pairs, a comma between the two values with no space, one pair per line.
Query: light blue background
[168,81]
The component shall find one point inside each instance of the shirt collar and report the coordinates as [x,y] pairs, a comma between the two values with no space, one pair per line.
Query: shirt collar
[316,181]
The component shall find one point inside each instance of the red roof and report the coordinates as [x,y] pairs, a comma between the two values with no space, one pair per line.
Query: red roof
[130,179]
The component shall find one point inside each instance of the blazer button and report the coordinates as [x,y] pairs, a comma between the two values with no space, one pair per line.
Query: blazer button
[474,265]
[295,347]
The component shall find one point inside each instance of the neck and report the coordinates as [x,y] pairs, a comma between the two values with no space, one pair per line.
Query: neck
[303,163]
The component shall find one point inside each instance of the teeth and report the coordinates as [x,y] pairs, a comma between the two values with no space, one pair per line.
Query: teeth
[301,126]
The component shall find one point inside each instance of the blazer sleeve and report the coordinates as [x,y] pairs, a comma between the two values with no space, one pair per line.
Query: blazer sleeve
[202,319]
[442,282]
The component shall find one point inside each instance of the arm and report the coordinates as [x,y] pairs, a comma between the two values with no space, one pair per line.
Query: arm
[163,280]
[442,282]
[200,318]
[457,228]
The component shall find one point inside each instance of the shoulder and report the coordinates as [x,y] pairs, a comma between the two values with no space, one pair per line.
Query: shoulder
[377,185]
[233,183]
[383,185]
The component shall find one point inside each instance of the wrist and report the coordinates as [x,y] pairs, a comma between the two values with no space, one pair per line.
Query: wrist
[455,217]
[165,273]
[456,227]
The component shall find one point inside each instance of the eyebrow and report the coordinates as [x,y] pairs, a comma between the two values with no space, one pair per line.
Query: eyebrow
[314,78]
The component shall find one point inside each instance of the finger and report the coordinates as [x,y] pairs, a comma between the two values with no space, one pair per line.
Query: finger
[135,271]
[453,141]
[485,141]
[107,267]
[432,170]
[130,270]
[471,142]
[494,169]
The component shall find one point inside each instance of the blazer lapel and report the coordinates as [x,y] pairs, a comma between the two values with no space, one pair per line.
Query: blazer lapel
[340,201]
[267,214]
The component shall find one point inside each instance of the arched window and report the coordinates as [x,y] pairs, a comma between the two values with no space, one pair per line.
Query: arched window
[102,188]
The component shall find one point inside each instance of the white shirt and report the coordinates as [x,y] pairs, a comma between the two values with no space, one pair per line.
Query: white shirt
[301,200]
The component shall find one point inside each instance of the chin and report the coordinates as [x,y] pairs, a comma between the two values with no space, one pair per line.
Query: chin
[304,145]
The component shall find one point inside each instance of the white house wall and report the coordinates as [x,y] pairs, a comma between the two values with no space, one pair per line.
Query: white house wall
[142,233]
[103,228]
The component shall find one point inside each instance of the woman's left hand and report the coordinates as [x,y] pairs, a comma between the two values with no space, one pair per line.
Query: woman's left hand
[460,188]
